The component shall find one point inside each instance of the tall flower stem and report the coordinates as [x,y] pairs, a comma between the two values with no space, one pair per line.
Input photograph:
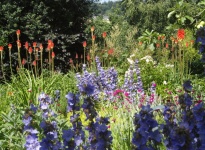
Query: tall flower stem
[52,66]
[18,46]
[84,56]
[10,61]
[2,65]
[19,55]
[31,63]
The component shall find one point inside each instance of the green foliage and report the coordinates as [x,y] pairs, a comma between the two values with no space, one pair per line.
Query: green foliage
[11,127]
[24,88]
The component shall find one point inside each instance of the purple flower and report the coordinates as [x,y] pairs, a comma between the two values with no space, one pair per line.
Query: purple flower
[32,142]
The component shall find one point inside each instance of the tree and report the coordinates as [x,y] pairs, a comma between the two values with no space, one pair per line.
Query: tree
[62,21]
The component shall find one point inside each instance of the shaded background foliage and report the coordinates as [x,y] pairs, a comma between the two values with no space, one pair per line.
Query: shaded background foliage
[62,21]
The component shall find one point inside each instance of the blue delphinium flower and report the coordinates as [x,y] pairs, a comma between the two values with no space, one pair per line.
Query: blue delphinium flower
[132,87]
[146,134]
[68,142]
[32,142]
[199,115]
[102,134]
[104,81]
[87,83]
[50,140]
[201,40]
[77,135]
[73,102]
[187,86]
[44,100]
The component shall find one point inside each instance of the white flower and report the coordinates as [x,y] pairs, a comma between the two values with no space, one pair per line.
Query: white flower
[130,61]
[147,58]
[165,82]
[169,66]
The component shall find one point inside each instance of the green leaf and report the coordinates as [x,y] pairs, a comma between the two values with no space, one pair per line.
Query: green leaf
[171,13]
[190,18]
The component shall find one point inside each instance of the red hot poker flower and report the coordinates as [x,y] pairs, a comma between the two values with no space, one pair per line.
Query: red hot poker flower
[92,28]
[34,44]
[26,45]
[104,34]
[18,32]
[76,56]
[93,37]
[1,48]
[30,50]
[9,46]
[23,61]
[84,44]
[53,55]
[110,51]
[41,46]
[34,63]
[167,45]
[180,34]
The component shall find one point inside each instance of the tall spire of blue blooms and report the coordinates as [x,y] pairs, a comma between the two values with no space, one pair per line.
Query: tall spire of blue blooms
[201,40]
[146,134]
[133,88]
[32,142]
[73,138]
[104,82]
[49,126]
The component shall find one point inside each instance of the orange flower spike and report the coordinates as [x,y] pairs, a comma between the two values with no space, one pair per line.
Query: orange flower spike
[192,42]
[157,45]
[70,61]
[93,37]
[187,44]
[26,45]
[49,42]
[110,52]
[48,48]
[180,34]
[18,32]
[19,45]
[92,28]
[162,37]
[34,63]
[76,56]
[159,37]
[104,34]
[167,45]
[30,50]
[52,45]
[41,46]
[53,55]
[84,44]
[23,61]
[1,48]
[9,46]
[140,43]
[34,44]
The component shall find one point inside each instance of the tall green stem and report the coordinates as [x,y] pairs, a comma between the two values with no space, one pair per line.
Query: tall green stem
[10,62]
[2,66]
